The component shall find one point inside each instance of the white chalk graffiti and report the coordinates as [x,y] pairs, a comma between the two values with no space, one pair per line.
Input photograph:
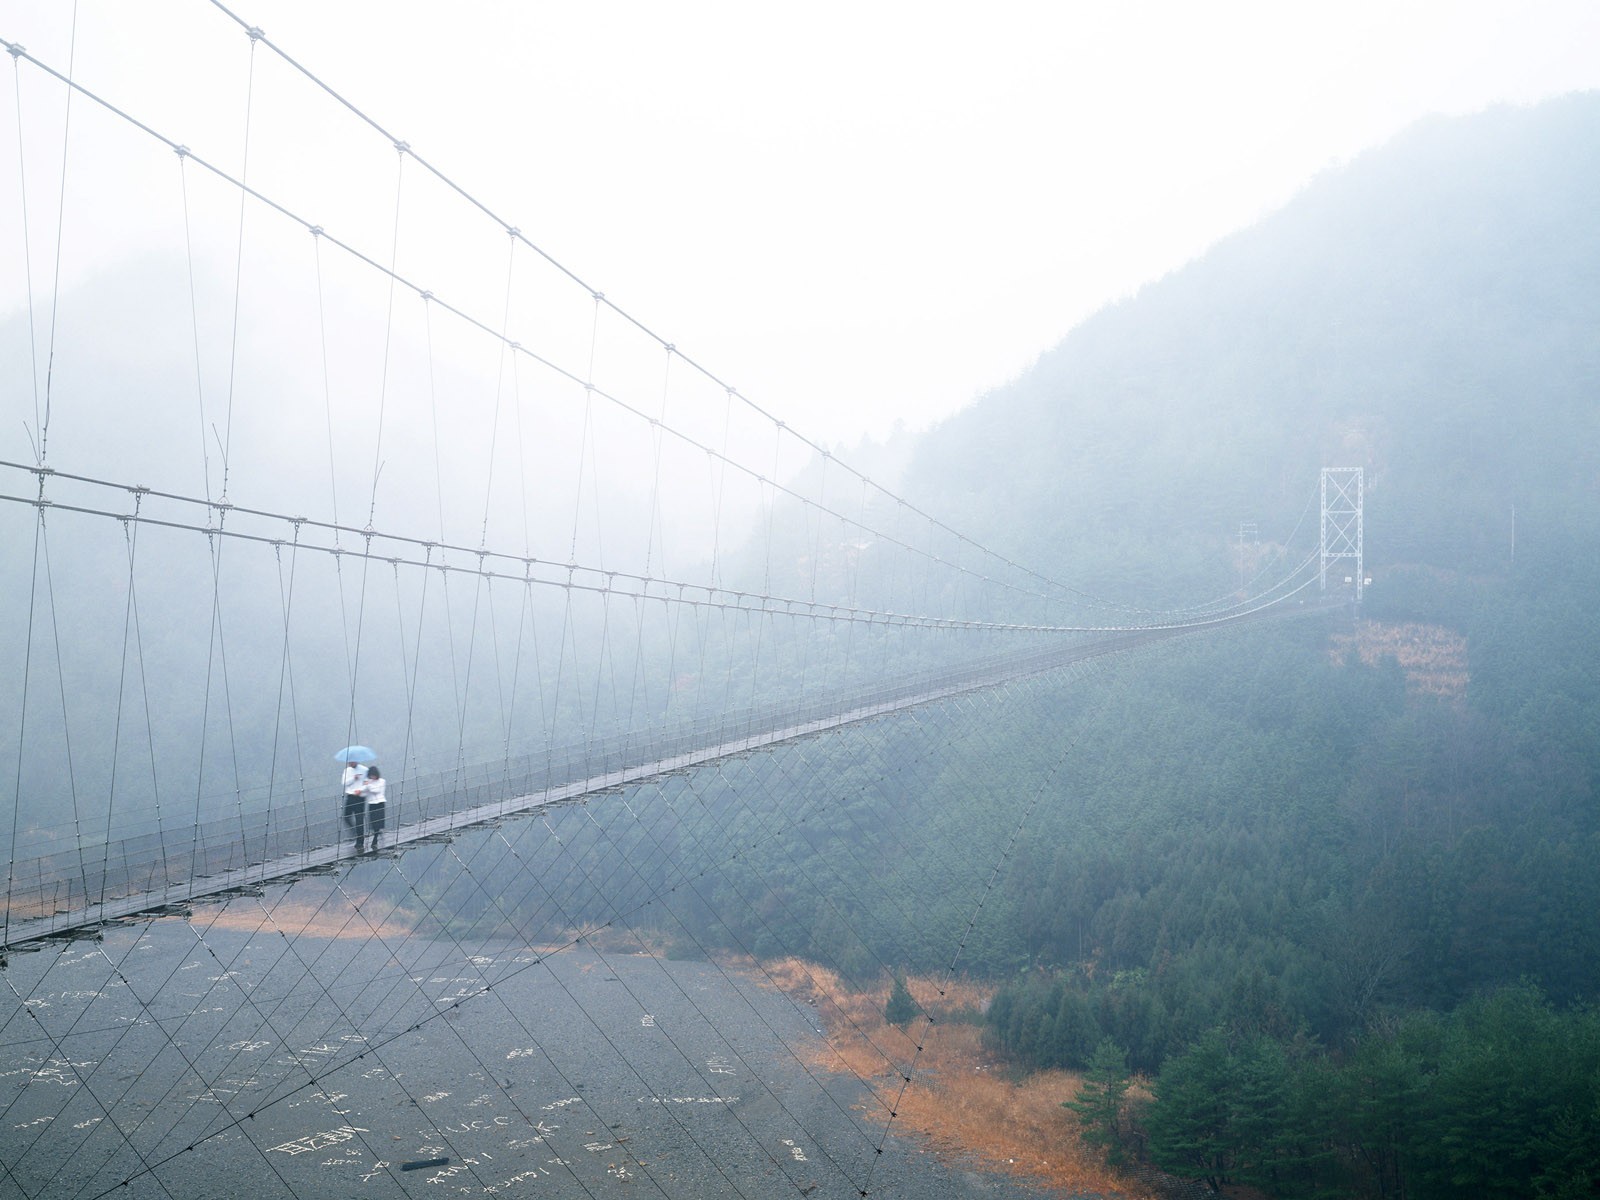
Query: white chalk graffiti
[475,1126]
[320,1141]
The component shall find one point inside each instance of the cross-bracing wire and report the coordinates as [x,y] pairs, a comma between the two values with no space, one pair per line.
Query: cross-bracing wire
[314,1080]
[191,1061]
[622,919]
[587,939]
[607,889]
[208,1088]
[206,1085]
[12,1161]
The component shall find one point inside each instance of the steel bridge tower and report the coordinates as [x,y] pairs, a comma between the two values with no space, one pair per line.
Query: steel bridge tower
[1342,520]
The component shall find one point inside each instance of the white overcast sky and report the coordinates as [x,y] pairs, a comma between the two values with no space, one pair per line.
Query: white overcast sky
[858,213]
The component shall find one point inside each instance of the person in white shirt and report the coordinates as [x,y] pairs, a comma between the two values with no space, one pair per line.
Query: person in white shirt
[353,783]
[373,790]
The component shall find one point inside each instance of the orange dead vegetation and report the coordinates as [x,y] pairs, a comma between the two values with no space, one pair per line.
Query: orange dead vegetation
[1434,658]
[959,1097]
[336,915]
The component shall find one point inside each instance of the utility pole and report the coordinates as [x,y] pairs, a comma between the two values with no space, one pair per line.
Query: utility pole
[1342,522]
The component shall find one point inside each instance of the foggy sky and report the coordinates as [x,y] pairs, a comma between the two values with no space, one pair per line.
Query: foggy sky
[855,214]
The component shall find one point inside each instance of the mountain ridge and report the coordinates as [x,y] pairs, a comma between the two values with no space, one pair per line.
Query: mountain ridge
[1423,312]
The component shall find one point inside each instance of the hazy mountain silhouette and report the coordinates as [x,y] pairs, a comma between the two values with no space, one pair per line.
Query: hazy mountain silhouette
[1426,312]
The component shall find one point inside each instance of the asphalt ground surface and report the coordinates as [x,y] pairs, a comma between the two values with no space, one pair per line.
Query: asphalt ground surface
[175,1058]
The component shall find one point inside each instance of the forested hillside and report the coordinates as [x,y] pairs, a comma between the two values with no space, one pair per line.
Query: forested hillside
[1271,844]
[1338,906]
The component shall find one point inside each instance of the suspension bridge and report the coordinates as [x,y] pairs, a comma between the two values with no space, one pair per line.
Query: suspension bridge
[283,484]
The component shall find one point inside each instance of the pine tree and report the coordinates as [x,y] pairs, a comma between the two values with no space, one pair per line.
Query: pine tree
[1099,1103]
[1190,1122]
[901,1007]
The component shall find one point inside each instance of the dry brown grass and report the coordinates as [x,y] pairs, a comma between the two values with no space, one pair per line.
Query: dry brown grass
[1433,658]
[959,1097]
[335,916]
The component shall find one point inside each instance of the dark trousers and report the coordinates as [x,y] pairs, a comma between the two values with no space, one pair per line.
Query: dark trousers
[375,816]
[355,814]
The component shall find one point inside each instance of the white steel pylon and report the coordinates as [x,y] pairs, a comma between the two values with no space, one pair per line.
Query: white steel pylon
[1342,520]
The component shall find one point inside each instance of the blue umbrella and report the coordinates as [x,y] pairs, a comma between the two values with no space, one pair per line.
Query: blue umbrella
[360,754]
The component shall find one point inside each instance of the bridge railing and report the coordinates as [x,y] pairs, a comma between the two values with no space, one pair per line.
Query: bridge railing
[163,864]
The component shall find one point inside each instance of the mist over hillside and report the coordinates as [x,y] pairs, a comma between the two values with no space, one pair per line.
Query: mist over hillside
[1426,312]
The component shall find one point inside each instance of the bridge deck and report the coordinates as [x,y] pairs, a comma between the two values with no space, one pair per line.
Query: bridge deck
[67,892]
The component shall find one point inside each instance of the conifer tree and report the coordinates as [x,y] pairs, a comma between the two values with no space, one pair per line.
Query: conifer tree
[901,1007]
[1099,1103]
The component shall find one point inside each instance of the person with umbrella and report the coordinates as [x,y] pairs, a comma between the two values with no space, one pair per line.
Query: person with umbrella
[353,785]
